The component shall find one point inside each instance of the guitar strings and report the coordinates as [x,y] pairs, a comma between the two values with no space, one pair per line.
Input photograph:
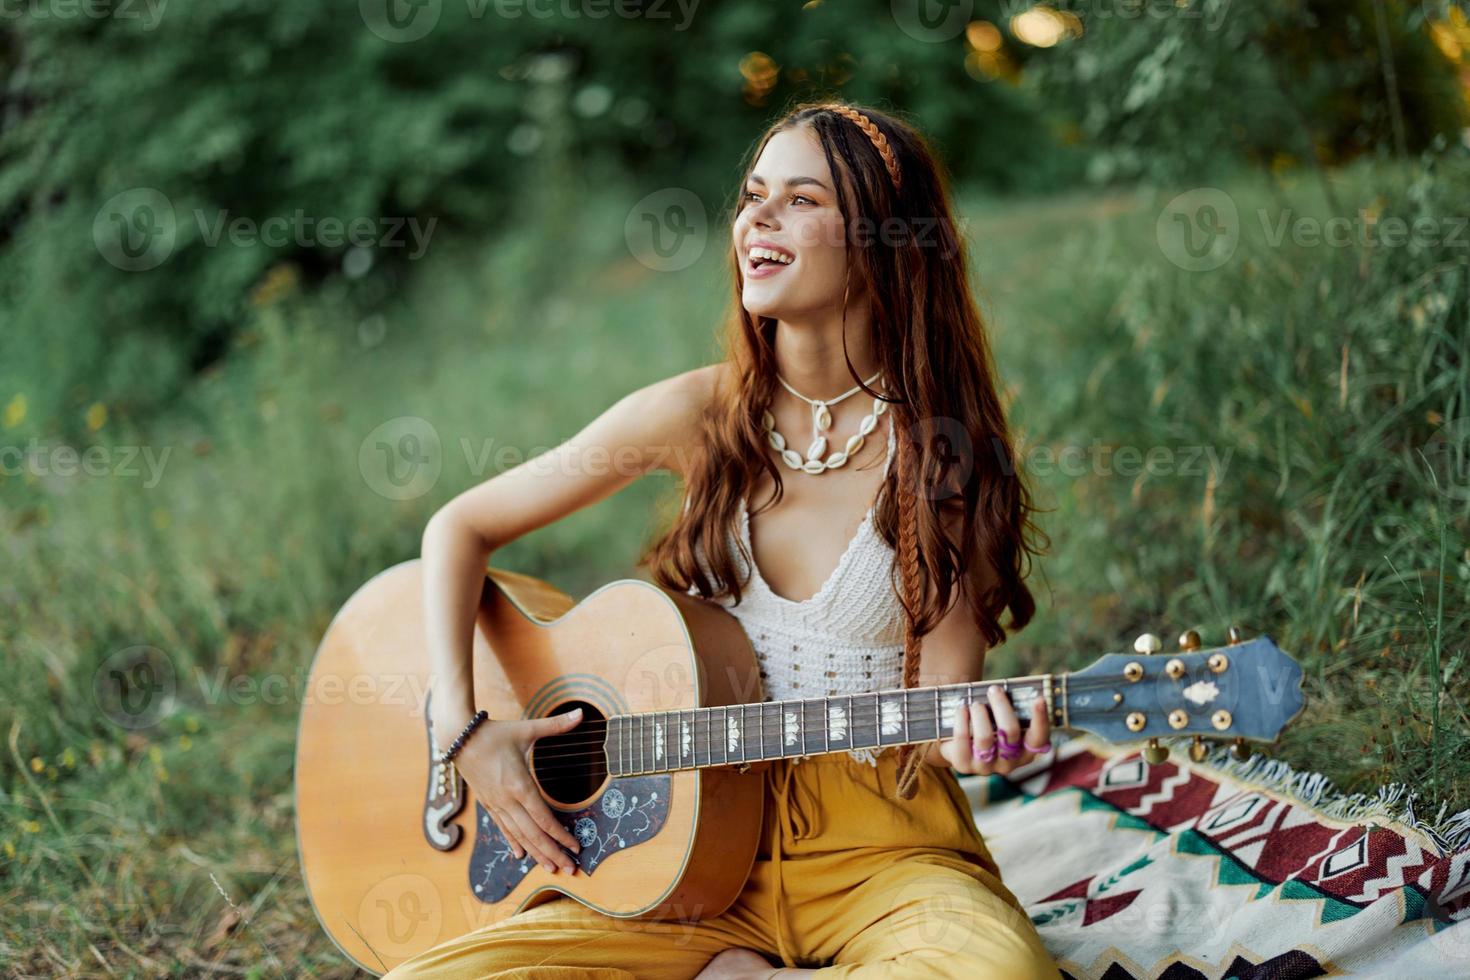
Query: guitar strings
[762,708]
[560,761]
[763,723]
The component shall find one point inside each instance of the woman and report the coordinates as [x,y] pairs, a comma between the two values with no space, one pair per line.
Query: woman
[854,320]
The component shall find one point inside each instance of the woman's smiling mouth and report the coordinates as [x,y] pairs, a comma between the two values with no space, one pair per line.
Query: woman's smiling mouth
[764,259]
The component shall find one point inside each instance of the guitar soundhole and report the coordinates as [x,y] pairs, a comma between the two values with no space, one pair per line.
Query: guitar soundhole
[572,766]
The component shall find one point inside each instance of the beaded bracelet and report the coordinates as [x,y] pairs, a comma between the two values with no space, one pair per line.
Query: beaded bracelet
[448,754]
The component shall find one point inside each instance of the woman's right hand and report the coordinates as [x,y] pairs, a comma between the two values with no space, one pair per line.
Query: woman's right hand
[493,763]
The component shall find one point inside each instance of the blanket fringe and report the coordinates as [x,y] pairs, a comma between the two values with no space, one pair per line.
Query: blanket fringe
[1392,802]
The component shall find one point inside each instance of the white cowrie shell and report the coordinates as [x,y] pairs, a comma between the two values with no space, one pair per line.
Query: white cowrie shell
[792,459]
[867,425]
[836,459]
[817,449]
[821,417]
[768,420]
[777,440]
[854,443]
[879,406]
[813,466]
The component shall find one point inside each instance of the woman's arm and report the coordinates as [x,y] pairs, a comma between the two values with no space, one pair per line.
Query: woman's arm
[651,428]
[954,653]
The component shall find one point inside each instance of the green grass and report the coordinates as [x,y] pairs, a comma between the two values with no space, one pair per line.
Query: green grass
[170,849]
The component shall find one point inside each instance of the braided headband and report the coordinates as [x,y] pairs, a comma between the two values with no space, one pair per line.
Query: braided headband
[874,134]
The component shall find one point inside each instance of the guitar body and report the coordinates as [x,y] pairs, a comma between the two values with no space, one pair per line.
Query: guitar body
[393,869]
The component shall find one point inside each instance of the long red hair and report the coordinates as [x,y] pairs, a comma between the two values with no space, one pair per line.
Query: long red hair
[930,342]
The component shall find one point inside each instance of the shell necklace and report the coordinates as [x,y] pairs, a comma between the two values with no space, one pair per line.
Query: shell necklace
[813,462]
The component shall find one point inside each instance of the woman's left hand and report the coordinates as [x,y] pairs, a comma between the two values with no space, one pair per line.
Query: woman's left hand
[978,746]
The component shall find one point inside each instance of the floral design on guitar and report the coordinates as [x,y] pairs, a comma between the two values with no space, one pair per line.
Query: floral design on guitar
[632,810]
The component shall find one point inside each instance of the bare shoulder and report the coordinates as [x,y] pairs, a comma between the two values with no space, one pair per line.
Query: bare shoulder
[672,409]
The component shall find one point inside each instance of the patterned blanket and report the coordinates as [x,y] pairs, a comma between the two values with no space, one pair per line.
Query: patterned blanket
[1225,869]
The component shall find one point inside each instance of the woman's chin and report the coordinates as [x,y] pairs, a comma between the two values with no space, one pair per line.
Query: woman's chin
[761,302]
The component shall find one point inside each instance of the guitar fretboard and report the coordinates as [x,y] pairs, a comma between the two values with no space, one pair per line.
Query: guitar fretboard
[665,741]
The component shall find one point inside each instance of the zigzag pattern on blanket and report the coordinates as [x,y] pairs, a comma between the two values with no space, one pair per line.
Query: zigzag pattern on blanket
[1211,871]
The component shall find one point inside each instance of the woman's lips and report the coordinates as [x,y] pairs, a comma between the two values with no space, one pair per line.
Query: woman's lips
[765,270]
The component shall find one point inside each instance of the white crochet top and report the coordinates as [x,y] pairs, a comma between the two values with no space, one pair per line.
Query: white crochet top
[845,639]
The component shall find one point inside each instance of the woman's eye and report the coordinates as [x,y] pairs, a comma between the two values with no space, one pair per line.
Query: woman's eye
[795,198]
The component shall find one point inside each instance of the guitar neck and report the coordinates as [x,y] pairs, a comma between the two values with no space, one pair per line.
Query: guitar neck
[695,738]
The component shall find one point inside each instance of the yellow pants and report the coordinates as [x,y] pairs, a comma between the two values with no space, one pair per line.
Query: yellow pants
[846,879]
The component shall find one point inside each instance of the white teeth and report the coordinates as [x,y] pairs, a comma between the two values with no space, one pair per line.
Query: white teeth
[771,255]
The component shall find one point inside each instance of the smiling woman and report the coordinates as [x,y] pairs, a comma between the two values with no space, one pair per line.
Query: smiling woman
[868,863]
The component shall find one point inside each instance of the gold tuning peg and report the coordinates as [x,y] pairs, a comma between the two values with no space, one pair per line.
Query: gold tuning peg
[1198,749]
[1189,640]
[1154,753]
[1236,635]
[1147,644]
[1240,750]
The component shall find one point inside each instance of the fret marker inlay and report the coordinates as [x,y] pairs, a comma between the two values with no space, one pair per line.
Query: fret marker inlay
[947,713]
[892,718]
[836,722]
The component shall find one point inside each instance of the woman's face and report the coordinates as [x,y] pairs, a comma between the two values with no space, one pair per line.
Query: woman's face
[790,207]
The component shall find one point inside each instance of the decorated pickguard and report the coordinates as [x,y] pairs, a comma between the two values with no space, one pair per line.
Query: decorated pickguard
[630,811]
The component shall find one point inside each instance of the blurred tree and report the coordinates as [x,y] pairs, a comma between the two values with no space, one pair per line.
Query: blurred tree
[164,167]
[1191,89]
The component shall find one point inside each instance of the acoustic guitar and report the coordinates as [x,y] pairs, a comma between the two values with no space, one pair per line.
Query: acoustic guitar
[655,781]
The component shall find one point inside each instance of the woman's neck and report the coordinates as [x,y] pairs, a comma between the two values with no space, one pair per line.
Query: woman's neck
[810,356]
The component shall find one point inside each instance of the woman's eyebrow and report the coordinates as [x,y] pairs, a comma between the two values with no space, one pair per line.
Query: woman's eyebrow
[791,182]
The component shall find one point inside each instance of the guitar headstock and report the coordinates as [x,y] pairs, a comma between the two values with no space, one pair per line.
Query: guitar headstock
[1247,690]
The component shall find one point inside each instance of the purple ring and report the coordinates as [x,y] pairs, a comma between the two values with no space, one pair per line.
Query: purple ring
[984,755]
[1009,749]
